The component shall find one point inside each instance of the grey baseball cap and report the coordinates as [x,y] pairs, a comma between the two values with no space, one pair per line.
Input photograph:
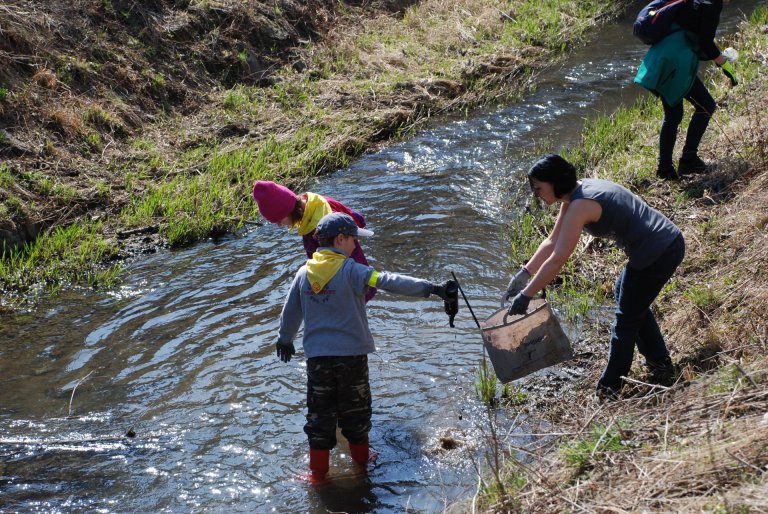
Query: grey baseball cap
[335,223]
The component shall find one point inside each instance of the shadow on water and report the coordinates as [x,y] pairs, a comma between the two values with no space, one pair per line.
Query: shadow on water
[184,351]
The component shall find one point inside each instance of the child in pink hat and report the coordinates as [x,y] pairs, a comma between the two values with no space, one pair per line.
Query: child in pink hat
[281,206]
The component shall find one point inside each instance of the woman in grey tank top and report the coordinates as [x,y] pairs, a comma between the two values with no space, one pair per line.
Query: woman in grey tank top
[653,244]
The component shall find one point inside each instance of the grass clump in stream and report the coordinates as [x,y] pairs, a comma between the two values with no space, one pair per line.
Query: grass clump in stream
[62,256]
[512,396]
[485,384]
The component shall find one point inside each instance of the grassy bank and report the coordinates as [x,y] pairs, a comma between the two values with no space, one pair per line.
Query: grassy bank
[700,445]
[186,173]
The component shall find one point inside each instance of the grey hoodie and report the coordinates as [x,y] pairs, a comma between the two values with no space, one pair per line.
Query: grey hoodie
[335,321]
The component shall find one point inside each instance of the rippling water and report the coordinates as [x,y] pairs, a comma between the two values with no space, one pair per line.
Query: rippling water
[183,353]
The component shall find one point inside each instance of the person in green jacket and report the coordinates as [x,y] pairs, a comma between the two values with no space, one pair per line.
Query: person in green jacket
[669,71]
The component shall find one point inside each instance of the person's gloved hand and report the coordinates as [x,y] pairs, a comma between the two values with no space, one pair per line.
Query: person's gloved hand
[516,284]
[285,351]
[451,300]
[519,304]
[440,289]
[729,72]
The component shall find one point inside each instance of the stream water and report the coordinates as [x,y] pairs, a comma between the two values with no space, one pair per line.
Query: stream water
[183,353]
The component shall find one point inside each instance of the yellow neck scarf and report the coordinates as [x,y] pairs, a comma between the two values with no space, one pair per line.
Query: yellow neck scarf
[322,267]
[316,207]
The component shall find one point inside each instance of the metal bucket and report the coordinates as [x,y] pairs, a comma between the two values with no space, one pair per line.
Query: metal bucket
[521,344]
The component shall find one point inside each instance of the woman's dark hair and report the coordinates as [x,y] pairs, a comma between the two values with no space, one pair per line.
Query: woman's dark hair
[557,171]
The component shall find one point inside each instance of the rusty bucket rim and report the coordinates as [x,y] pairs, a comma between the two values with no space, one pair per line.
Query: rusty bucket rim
[505,323]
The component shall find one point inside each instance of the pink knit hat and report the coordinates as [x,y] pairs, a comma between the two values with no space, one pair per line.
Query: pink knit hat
[275,201]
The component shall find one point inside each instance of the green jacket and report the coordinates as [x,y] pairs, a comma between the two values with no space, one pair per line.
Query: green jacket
[669,68]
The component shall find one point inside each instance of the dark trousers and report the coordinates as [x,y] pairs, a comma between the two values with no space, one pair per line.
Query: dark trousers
[704,106]
[338,393]
[635,323]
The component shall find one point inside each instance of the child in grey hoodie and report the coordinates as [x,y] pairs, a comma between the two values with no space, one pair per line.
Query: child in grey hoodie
[328,296]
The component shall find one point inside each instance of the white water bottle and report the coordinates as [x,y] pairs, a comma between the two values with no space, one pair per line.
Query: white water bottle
[731,54]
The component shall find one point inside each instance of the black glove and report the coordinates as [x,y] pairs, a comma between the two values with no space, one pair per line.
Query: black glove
[451,300]
[285,351]
[729,72]
[516,284]
[519,304]
[441,290]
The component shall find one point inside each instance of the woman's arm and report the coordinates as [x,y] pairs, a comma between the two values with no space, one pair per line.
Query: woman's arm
[544,250]
[565,237]
[709,12]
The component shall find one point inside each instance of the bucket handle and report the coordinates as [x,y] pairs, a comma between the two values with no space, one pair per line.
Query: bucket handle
[542,295]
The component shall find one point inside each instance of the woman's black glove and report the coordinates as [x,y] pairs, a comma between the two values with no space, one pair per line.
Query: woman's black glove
[285,351]
[519,304]
[516,284]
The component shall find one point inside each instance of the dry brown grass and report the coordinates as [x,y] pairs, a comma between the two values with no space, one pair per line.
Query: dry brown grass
[45,78]
[686,450]
[728,251]
[64,120]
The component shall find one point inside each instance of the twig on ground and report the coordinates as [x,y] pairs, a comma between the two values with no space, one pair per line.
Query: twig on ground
[639,382]
[477,491]
[600,440]
[746,375]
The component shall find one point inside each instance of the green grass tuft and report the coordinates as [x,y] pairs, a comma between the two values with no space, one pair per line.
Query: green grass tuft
[598,441]
[485,384]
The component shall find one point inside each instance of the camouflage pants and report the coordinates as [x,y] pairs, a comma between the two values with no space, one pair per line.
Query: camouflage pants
[337,393]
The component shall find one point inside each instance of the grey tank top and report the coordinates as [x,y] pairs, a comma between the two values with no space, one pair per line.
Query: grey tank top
[637,228]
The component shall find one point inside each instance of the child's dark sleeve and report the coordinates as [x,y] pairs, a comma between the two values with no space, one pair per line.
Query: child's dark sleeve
[291,316]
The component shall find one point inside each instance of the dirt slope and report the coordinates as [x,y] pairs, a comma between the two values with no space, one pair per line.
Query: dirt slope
[78,79]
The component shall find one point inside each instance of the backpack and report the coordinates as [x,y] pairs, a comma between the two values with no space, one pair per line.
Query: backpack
[654,21]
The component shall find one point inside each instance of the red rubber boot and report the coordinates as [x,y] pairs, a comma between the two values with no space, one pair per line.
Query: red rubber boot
[362,453]
[318,465]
